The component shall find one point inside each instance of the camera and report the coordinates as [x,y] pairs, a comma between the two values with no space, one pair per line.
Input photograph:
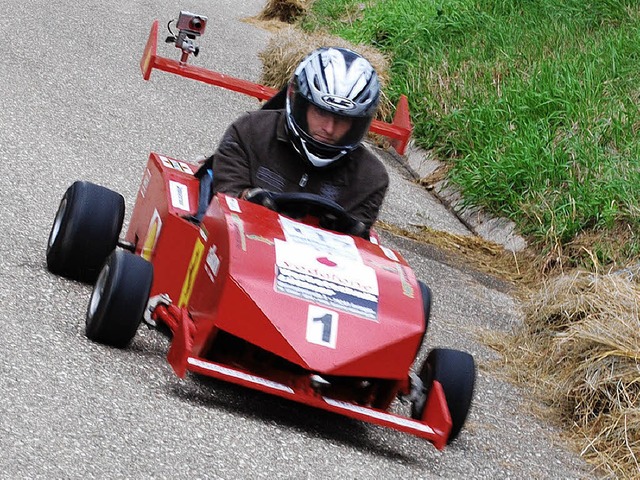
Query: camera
[193,25]
[190,26]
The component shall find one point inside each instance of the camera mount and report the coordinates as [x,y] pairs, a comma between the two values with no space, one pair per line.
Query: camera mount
[398,131]
[190,26]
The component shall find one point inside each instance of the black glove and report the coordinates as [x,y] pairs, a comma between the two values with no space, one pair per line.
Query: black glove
[358,229]
[261,197]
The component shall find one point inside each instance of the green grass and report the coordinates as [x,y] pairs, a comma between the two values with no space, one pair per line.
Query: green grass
[534,103]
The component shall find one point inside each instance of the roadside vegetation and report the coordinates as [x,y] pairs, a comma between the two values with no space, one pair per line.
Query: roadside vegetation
[534,106]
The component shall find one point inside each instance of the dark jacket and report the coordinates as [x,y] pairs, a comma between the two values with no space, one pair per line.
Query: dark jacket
[255,152]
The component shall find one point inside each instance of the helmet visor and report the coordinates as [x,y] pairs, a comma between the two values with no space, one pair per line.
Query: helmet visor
[325,130]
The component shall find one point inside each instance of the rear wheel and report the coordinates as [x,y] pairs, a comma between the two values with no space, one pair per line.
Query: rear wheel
[119,298]
[85,231]
[456,372]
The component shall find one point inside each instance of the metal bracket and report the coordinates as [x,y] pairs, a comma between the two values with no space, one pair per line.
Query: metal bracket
[416,393]
[162,299]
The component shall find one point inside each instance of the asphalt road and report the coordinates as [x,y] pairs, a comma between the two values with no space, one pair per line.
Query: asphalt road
[74,106]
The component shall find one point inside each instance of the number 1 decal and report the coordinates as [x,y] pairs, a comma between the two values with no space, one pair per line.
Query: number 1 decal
[322,326]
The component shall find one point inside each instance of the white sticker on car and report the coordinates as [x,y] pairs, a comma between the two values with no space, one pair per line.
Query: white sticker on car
[212,263]
[384,416]
[176,165]
[179,195]
[319,240]
[390,254]
[326,279]
[322,326]
[233,204]
[229,372]
[144,185]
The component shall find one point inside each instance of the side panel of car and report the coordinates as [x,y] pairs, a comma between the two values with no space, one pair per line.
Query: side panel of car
[159,226]
[211,279]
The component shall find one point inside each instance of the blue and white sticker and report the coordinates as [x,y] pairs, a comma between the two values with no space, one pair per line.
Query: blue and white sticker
[179,195]
[326,279]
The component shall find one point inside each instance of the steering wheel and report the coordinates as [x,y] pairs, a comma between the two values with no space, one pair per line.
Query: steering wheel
[330,215]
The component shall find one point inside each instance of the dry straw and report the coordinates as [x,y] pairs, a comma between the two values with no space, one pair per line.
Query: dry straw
[580,348]
[287,11]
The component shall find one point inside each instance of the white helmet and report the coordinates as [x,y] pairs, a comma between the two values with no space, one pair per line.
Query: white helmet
[339,81]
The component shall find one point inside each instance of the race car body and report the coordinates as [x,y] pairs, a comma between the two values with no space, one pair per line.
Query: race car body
[325,301]
[274,303]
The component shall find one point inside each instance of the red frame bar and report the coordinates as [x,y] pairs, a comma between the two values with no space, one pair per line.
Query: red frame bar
[436,432]
[434,426]
[399,131]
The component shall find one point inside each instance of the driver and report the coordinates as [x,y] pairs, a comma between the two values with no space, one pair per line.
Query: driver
[311,145]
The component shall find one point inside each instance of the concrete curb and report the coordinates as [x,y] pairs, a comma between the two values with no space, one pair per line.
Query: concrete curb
[421,166]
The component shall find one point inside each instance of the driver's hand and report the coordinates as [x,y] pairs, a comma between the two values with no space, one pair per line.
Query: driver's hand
[259,196]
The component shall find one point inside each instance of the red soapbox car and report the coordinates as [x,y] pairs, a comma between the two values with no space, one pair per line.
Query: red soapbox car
[281,301]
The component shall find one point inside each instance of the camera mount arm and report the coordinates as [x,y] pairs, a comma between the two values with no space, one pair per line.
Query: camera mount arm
[151,60]
[398,131]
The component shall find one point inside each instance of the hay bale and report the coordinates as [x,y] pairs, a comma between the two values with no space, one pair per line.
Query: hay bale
[287,11]
[583,343]
[288,47]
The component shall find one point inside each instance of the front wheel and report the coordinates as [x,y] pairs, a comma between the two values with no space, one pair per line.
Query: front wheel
[119,298]
[85,231]
[425,293]
[456,372]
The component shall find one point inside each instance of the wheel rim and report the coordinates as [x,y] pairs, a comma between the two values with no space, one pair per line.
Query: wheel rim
[98,290]
[57,223]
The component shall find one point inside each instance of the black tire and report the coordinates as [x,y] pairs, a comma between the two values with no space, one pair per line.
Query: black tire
[456,372]
[425,292]
[119,297]
[85,231]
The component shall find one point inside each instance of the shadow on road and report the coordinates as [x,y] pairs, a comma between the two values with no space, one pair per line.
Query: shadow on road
[212,393]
